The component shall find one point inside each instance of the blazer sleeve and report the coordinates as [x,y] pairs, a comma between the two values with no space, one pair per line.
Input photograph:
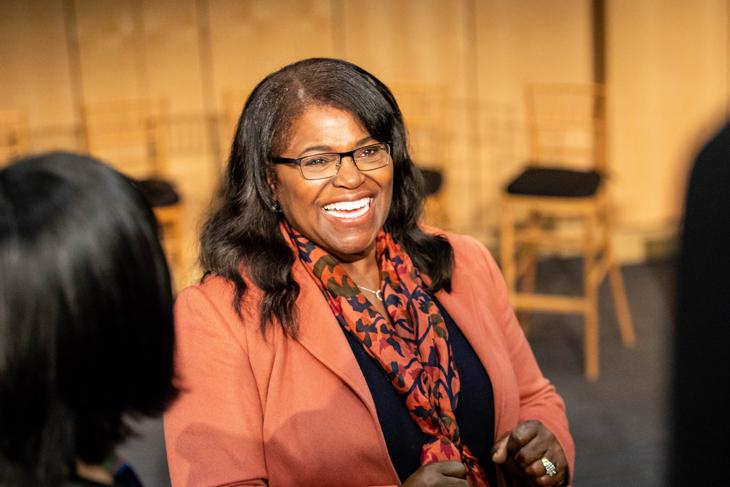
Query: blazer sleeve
[538,397]
[213,433]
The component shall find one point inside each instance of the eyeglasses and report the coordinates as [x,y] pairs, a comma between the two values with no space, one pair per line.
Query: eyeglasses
[326,165]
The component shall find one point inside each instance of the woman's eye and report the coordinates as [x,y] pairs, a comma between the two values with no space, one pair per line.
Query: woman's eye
[369,152]
[316,161]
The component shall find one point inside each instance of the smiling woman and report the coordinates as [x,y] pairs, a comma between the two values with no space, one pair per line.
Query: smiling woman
[335,341]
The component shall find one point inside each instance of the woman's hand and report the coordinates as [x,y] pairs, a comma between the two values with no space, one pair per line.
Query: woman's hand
[522,450]
[438,474]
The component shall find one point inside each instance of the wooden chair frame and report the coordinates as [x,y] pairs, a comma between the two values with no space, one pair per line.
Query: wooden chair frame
[522,241]
[13,135]
[139,123]
[425,113]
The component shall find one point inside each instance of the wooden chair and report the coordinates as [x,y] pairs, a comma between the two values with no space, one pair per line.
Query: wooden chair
[424,108]
[134,136]
[565,181]
[13,135]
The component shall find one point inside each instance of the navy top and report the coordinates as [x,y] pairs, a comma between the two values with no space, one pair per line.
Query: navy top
[123,476]
[474,412]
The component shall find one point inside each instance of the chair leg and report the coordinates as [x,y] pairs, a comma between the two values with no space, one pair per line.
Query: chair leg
[623,313]
[172,241]
[590,287]
[507,249]
[179,254]
[592,360]
[527,284]
[508,257]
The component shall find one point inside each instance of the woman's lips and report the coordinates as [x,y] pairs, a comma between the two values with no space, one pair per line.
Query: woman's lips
[348,210]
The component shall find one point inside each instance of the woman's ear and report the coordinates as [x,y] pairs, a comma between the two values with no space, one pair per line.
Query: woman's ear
[271,180]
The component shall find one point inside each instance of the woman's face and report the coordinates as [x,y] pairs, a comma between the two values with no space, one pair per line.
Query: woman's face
[344,213]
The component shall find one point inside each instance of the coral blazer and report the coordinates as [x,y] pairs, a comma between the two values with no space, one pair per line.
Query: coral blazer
[271,410]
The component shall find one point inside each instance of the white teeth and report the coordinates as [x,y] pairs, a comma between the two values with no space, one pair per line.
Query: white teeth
[348,205]
[348,209]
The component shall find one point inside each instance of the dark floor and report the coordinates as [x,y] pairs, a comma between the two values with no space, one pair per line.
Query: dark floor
[618,423]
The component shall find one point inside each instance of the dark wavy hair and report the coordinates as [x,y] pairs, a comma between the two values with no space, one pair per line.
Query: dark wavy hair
[86,324]
[242,233]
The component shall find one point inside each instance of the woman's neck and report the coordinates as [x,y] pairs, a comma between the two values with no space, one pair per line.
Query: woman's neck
[365,272]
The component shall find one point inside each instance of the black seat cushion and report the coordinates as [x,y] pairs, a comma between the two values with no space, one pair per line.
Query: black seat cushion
[541,181]
[158,192]
[433,180]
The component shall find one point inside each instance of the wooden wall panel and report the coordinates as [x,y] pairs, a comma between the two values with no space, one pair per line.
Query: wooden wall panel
[408,41]
[250,39]
[111,49]
[34,70]
[172,54]
[667,78]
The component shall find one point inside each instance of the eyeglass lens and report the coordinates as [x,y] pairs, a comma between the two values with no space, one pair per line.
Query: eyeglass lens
[367,158]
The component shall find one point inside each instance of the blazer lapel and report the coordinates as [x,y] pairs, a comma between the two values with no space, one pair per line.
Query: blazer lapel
[321,335]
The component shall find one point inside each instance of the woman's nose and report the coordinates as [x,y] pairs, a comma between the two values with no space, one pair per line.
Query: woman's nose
[348,175]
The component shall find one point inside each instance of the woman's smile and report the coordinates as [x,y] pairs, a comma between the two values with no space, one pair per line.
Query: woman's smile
[348,210]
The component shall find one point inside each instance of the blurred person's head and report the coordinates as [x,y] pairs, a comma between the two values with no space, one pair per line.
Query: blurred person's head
[86,326]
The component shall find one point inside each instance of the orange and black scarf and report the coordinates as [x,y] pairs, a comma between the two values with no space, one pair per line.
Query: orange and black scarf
[412,347]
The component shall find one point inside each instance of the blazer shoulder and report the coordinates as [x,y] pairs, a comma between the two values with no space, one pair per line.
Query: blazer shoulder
[215,294]
[473,262]
[459,241]
[465,246]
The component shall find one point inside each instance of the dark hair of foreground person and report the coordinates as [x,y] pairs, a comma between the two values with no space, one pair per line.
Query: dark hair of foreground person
[86,325]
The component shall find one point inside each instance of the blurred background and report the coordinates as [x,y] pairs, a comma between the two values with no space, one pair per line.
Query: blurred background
[155,87]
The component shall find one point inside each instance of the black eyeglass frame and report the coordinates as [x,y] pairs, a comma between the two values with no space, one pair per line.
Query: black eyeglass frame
[298,161]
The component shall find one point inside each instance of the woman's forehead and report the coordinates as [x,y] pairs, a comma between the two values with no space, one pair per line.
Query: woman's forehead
[325,128]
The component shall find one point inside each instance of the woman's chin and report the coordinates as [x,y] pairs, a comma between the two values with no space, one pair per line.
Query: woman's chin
[353,250]
[350,242]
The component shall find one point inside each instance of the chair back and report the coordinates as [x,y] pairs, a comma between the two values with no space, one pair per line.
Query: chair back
[132,134]
[232,102]
[424,107]
[566,125]
[13,135]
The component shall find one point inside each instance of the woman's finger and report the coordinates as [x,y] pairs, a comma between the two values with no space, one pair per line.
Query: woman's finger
[541,472]
[536,448]
[499,450]
[446,474]
[451,469]
[525,442]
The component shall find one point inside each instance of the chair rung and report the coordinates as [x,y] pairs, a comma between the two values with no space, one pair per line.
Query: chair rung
[558,207]
[599,271]
[546,240]
[547,302]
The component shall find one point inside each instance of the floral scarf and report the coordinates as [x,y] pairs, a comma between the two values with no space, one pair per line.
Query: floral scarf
[412,347]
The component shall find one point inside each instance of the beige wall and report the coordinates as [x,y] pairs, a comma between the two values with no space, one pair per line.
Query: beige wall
[457,66]
[668,87]
[35,75]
